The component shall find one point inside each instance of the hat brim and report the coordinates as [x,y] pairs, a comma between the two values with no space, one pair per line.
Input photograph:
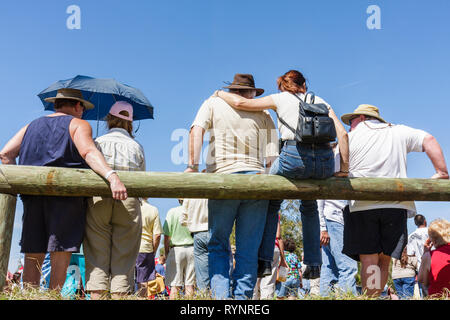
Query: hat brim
[259,91]
[88,105]
[346,117]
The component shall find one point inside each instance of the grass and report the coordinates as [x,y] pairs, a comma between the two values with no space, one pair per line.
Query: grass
[16,293]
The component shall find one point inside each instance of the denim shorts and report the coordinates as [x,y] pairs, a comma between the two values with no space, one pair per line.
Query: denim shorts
[288,288]
[303,161]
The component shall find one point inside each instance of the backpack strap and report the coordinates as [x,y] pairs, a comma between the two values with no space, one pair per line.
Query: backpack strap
[286,125]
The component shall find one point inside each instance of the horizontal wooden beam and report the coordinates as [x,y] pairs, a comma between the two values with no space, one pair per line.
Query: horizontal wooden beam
[80,182]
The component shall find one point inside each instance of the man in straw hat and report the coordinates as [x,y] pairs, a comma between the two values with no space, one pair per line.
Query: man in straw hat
[56,224]
[375,231]
[240,142]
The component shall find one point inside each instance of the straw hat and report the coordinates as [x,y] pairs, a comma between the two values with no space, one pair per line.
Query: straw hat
[363,109]
[72,94]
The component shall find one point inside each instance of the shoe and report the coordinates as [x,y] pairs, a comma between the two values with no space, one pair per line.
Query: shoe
[264,268]
[311,272]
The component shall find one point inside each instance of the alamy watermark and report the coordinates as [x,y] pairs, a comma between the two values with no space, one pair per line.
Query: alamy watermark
[73,22]
[374,20]
[226,145]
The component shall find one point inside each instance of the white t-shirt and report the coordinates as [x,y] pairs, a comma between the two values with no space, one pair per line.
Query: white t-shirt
[195,215]
[239,140]
[379,150]
[287,108]
[416,241]
[332,209]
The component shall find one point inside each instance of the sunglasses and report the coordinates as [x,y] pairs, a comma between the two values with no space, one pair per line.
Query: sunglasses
[350,121]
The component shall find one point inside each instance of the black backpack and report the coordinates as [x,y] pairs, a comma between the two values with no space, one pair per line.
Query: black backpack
[314,123]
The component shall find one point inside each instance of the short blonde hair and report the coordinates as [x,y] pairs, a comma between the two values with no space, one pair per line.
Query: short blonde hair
[439,232]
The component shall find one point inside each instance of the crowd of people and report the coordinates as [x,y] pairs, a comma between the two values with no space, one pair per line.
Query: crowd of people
[120,235]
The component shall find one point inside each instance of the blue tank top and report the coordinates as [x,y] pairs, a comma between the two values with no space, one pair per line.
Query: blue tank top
[47,142]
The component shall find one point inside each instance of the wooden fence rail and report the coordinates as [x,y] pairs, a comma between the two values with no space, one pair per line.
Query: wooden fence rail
[79,182]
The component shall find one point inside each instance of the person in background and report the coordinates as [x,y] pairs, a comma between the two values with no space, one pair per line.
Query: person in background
[265,286]
[375,231]
[150,239]
[404,275]
[57,224]
[161,270]
[179,252]
[416,242]
[338,271]
[113,228]
[195,217]
[161,265]
[434,273]
[290,287]
[417,238]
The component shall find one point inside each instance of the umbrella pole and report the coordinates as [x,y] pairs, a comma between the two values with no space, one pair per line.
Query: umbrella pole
[98,113]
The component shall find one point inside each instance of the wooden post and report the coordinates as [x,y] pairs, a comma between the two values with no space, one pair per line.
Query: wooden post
[7,213]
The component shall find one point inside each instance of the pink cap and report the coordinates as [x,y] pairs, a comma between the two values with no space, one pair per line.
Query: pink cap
[122,106]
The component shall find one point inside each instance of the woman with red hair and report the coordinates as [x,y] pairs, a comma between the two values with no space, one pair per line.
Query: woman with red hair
[297,161]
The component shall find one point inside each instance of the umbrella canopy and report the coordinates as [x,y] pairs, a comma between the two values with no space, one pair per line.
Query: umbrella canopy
[103,93]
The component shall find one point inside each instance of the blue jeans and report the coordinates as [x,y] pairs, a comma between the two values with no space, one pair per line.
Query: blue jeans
[288,288]
[337,268]
[299,162]
[250,217]
[201,259]
[404,287]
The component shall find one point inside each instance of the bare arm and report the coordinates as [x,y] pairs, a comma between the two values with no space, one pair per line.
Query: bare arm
[156,241]
[424,269]
[81,133]
[281,246]
[433,150]
[166,245]
[241,103]
[11,150]
[195,146]
[342,137]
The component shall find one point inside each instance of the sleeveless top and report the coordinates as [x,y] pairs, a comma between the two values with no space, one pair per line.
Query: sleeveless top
[47,142]
[439,277]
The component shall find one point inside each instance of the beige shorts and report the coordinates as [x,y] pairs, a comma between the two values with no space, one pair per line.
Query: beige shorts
[111,244]
[180,267]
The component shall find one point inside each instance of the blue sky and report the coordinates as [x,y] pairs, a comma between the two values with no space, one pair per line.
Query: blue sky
[178,52]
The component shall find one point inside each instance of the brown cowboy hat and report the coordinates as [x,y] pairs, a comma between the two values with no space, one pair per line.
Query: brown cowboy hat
[243,81]
[72,94]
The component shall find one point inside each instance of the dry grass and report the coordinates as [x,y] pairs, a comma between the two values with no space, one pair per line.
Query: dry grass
[16,293]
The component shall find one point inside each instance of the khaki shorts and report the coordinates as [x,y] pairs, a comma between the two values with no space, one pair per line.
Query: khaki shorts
[111,244]
[180,267]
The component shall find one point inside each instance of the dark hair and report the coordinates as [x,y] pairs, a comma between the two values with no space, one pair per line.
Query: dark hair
[59,103]
[419,220]
[289,245]
[292,81]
